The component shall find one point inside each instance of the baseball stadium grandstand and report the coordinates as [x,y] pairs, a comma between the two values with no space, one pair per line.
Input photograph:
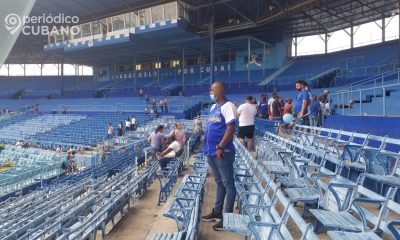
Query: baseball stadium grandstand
[199,119]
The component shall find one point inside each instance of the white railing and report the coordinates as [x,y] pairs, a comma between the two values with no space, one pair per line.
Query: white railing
[345,98]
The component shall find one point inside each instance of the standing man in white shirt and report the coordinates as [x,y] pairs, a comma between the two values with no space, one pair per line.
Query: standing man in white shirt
[133,123]
[246,114]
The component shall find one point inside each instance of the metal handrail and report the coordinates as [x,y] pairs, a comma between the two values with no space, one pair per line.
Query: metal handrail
[341,95]
[370,79]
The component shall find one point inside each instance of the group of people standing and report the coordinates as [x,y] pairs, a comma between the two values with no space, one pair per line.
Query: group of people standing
[163,105]
[130,125]
[310,109]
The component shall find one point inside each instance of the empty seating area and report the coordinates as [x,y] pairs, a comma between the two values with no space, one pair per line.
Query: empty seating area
[75,208]
[29,166]
[344,182]
[86,133]
[36,125]
[186,206]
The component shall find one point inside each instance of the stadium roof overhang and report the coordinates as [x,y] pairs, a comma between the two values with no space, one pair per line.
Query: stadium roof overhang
[232,18]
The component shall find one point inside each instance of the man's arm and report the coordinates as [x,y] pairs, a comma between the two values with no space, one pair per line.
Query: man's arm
[303,108]
[230,130]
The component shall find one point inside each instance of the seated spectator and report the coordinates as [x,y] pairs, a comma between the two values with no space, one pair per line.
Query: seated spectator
[21,144]
[178,135]
[146,110]
[173,150]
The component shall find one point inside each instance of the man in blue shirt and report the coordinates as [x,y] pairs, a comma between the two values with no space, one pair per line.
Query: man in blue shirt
[220,152]
[301,102]
[315,109]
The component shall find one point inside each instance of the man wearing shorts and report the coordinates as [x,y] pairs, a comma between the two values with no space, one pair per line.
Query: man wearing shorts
[246,114]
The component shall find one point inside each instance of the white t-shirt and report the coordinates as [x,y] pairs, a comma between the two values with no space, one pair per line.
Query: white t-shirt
[270,101]
[247,113]
[175,146]
[127,123]
[133,120]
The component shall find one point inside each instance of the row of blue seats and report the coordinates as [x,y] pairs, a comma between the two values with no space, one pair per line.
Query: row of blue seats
[81,214]
[306,156]
[186,206]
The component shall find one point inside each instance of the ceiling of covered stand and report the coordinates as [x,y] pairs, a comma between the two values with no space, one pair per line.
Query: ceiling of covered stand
[232,18]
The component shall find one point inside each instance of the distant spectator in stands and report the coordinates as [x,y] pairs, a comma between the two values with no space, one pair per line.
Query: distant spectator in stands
[162,104]
[166,104]
[275,109]
[351,103]
[19,143]
[36,109]
[64,110]
[59,149]
[262,106]
[120,129]
[173,150]
[220,152]
[146,110]
[288,106]
[178,135]
[133,123]
[315,111]
[154,103]
[153,111]
[65,163]
[281,103]
[271,99]
[128,124]
[322,113]
[156,140]
[327,108]
[302,101]
[246,114]
[110,131]
[198,125]
[72,166]
[324,96]
[147,99]
[141,92]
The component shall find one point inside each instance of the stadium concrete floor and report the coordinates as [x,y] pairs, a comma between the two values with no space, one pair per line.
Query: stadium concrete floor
[145,218]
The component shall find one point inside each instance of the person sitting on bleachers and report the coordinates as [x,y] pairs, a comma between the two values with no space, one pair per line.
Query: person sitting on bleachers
[156,140]
[178,135]
[21,144]
[146,110]
[173,150]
